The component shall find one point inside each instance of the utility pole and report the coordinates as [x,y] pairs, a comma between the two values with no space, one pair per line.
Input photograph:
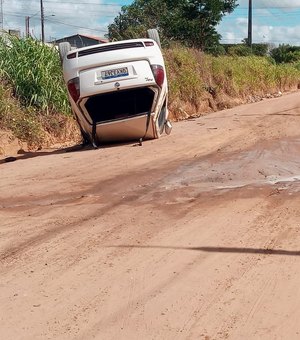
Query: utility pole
[1,14]
[27,26]
[42,21]
[250,24]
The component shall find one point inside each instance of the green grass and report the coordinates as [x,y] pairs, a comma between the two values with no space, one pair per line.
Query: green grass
[241,76]
[33,100]
[35,107]
[23,123]
[197,78]
[184,73]
[34,72]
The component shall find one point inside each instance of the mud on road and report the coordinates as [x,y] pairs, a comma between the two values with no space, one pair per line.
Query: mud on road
[192,236]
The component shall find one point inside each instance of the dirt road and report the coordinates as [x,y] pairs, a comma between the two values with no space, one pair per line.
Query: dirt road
[192,236]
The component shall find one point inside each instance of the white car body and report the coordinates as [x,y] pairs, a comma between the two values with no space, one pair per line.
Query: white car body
[118,91]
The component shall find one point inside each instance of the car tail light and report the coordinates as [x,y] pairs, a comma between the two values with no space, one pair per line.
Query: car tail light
[159,74]
[72,55]
[149,43]
[74,89]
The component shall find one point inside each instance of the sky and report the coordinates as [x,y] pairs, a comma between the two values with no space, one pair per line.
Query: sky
[274,21]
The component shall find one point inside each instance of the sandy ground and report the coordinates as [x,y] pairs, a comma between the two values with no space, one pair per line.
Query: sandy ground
[192,236]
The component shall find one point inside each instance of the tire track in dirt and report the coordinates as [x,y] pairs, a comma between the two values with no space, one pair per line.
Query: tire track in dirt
[249,264]
[169,260]
[115,190]
[164,287]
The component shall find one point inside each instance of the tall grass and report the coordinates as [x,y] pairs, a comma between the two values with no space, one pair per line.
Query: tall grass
[185,80]
[34,72]
[200,83]
[33,100]
[242,76]
[23,123]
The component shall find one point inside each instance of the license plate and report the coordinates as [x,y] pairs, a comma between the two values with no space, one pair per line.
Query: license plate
[116,73]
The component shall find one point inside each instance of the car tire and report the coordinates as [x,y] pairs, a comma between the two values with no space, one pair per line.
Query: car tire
[153,34]
[63,49]
[161,121]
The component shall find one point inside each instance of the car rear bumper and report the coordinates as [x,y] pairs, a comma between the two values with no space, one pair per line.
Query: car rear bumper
[129,129]
[119,115]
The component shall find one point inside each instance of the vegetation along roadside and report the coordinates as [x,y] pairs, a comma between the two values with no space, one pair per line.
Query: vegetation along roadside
[34,107]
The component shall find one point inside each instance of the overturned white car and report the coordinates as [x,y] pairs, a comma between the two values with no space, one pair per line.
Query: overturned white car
[118,91]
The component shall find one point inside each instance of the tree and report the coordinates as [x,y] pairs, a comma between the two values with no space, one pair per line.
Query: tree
[191,22]
[286,54]
[258,49]
[134,20]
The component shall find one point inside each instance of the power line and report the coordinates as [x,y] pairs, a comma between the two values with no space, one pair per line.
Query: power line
[239,40]
[76,26]
[84,3]
[269,7]
[123,4]
[62,23]
[80,3]
[104,14]
[30,15]
[269,15]
[14,15]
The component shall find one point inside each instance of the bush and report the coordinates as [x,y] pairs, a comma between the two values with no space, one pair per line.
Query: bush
[33,101]
[200,81]
[216,50]
[185,79]
[239,50]
[33,70]
[286,54]
[260,50]
[23,123]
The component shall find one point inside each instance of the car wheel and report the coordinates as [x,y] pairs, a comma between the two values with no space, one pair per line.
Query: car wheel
[161,121]
[153,34]
[63,48]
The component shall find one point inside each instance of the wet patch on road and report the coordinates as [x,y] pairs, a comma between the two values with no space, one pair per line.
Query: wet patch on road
[264,164]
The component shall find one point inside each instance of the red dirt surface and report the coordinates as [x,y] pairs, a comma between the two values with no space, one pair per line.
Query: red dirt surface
[192,236]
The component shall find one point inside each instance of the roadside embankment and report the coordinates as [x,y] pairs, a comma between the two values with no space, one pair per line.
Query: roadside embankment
[35,113]
[201,83]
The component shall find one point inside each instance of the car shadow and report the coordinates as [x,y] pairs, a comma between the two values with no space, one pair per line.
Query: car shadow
[32,154]
[75,148]
[263,251]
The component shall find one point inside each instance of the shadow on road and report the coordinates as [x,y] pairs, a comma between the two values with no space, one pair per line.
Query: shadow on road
[76,148]
[219,249]
[25,155]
